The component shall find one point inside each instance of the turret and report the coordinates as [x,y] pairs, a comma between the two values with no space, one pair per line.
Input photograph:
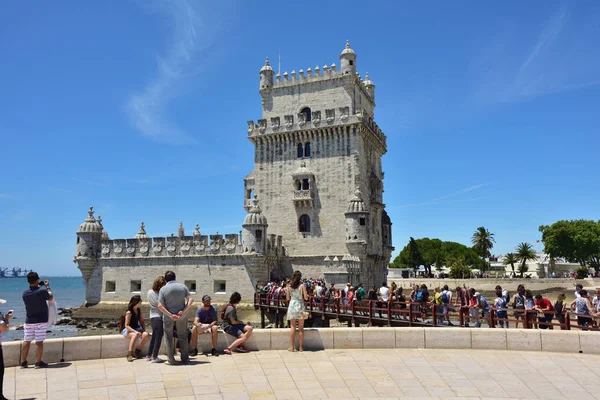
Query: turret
[142,232]
[89,238]
[369,86]
[266,76]
[348,60]
[255,230]
[356,221]
[89,243]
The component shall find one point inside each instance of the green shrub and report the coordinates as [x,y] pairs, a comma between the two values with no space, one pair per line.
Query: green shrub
[582,272]
[460,272]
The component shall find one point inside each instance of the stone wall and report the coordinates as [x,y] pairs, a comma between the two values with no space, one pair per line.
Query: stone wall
[120,281]
[111,346]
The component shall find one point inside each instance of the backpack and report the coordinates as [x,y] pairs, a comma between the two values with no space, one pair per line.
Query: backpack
[445,297]
[420,295]
[224,310]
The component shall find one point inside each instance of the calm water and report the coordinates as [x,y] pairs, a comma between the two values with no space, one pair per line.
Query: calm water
[68,292]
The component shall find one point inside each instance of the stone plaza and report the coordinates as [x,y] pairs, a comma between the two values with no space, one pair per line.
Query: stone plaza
[336,374]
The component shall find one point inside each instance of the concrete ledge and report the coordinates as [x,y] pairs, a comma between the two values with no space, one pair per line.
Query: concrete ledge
[53,351]
[443,338]
[379,338]
[12,353]
[490,339]
[410,338]
[588,342]
[524,339]
[83,348]
[557,341]
[111,346]
[348,338]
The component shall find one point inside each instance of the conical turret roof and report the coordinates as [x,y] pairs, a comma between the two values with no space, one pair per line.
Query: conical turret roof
[90,224]
[255,216]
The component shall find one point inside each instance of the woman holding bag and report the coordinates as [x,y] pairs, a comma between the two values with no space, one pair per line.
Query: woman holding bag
[296,296]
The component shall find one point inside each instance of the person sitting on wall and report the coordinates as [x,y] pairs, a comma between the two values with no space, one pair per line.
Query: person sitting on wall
[205,322]
[133,328]
[233,326]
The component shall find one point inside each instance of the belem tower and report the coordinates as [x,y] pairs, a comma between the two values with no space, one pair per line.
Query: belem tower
[314,200]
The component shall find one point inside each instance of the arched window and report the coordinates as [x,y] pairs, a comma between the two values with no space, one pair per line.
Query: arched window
[308,113]
[307,149]
[305,184]
[304,223]
[300,150]
[298,185]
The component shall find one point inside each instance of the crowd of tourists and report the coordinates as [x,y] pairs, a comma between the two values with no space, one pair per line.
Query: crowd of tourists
[469,305]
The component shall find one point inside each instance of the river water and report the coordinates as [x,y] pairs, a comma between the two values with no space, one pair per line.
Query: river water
[68,292]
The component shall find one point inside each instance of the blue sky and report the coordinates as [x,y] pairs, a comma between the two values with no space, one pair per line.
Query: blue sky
[139,108]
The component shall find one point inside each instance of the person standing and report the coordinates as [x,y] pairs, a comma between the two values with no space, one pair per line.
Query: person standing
[544,305]
[518,304]
[205,322]
[296,296]
[584,310]
[174,300]
[36,321]
[4,320]
[384,293]
[560,306]
[156,321]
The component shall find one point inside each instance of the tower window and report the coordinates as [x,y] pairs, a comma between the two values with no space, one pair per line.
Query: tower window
[351,62]
[307,149]
[111,286]
[300,150]
[307,112]
[298,185]
[250,193]
[258,235]
[304,223]
[305,184]
[362,221]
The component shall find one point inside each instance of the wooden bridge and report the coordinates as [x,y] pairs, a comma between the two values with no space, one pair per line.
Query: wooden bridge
[321,310]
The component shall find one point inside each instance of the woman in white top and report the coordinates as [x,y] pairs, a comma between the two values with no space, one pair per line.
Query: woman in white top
[156,320]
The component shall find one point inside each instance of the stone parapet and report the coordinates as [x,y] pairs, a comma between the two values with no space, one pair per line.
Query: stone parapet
[112,346]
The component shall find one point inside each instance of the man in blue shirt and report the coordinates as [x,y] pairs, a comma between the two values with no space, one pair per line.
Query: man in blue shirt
[36,321]
[206,322]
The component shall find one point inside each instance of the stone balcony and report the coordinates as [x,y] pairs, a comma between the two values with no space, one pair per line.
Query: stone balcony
[303,198]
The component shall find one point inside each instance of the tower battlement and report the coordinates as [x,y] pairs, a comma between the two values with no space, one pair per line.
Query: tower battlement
[320,119]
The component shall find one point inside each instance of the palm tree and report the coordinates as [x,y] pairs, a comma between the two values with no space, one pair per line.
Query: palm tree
[483,241]
[510,259]
[525,252]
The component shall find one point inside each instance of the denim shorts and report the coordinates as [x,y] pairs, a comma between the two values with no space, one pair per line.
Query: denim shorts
[235,330]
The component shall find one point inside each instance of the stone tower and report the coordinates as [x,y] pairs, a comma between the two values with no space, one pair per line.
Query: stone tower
[316,145]
[89,242]
[255,230]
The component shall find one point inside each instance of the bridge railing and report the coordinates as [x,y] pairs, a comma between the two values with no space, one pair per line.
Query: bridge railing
[418,313]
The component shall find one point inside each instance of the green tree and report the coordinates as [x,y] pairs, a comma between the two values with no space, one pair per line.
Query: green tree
[576,240]
[483,241]
[510,259]
[525,253]
[460,272]
[415,259]
[431,253]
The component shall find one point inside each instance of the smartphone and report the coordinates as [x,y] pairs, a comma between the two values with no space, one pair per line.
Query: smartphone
[10,312]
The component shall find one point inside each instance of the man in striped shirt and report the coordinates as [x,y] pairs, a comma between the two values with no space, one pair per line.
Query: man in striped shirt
[36,323]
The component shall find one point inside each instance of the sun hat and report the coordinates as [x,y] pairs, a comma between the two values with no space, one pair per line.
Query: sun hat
[476,294]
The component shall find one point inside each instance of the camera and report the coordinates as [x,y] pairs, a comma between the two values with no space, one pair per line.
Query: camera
[44,283]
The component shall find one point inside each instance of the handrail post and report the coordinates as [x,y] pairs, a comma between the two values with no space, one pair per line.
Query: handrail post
[526,320]
[434,312]
[567,321]
[370,312]
[353,311]
[492,318]
[389,311]
[337,308]
[461,316]
[410,313]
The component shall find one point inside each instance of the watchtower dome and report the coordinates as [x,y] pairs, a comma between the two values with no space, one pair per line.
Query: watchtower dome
[348,60]
[255,230]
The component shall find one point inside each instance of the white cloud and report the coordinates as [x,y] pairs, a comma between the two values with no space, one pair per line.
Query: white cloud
[444,199]
[192,32]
